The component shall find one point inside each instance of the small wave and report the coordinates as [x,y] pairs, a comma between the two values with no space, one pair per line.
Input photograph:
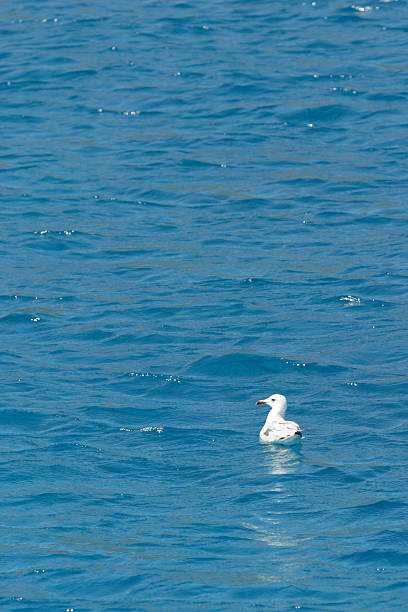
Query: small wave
[155,428]
[350,300]
[165,377]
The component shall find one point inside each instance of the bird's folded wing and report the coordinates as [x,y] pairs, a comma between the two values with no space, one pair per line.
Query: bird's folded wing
[280,431]
[292,425]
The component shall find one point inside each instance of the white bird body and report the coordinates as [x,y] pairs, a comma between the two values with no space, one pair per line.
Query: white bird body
[276,428]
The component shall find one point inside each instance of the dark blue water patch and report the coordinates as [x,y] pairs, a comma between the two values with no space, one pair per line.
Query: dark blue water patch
[383,506]
[342,477]
[324,114]
[235,364]
[389,537]
[247,365]
[22,420]
[376,557]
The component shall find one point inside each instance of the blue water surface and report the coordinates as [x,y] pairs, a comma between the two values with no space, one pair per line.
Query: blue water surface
[203,203]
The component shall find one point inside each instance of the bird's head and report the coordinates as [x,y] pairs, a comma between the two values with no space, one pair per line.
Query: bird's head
[276,402]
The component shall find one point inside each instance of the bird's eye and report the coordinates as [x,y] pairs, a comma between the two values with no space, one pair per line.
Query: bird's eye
[273,399]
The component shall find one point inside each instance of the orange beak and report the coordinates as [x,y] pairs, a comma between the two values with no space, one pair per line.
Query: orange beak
[260,402]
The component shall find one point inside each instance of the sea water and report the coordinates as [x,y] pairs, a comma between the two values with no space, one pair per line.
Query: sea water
[203,203]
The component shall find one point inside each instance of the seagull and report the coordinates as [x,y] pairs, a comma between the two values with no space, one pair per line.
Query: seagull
[276,428]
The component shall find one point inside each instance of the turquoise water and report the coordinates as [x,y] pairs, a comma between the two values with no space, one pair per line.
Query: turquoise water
[203,204]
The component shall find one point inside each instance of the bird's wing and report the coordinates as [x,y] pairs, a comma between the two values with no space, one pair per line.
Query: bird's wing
[281,431]
[293,425]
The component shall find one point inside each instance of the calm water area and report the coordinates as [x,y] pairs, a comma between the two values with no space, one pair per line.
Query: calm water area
[202,204]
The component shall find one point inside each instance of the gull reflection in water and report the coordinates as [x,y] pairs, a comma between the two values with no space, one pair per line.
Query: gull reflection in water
[272,526]
[281,459]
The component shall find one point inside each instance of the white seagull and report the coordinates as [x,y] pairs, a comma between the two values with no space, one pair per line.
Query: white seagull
[276,428]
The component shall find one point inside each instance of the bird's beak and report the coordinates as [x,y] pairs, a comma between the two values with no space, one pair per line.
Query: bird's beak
[260,402]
